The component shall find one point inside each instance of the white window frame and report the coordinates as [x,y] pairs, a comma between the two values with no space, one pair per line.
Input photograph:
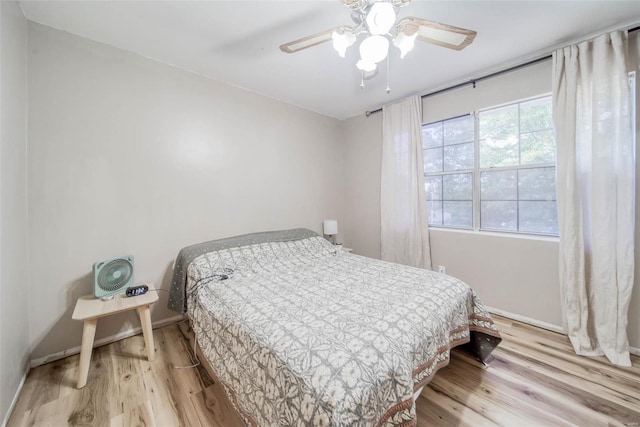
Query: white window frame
[476,171]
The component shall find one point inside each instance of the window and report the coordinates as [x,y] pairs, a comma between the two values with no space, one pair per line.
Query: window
[493,169]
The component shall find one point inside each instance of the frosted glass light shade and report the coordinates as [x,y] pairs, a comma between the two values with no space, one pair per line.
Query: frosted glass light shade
[380,18]
[341,41]
[374,49]
[330,227]
[405,43]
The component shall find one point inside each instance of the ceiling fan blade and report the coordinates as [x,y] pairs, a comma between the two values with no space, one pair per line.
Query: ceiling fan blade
[362,4]
[440,34]
[308,41]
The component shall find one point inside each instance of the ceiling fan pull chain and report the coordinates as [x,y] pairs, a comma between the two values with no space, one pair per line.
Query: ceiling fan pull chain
[362,80]
[388,88]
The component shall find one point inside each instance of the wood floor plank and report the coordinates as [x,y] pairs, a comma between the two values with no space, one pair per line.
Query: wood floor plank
[566,393]
[94,404]
[526,337]
[600,377]
[44,386]
[534,399]
[139,416]
[535,379]
[621,401]
[450,411]
[497,401]
[214,409]
[54,413]
[158,386]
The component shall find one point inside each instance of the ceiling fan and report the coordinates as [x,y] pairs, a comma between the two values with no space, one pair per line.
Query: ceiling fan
[376,21]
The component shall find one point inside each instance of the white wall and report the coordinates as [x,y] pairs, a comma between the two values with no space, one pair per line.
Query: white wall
[132,156]
[362,138]
[14,332]
[513,274]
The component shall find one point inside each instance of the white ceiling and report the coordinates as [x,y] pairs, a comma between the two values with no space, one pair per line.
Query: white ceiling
[237,41]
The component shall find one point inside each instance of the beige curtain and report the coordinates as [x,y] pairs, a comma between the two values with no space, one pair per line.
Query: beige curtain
[596,193]
[404,230]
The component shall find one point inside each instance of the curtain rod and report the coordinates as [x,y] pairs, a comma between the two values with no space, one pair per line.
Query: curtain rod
[488,76]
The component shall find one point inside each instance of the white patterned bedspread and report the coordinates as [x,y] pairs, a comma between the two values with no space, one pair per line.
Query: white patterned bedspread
[303,335]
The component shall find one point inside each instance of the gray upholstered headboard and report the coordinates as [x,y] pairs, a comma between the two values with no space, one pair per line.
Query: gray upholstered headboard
[177,300]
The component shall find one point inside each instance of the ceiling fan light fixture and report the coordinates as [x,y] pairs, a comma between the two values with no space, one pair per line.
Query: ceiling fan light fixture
[341,41]
[375,21]
[404,42]
[380,18]
[374,49]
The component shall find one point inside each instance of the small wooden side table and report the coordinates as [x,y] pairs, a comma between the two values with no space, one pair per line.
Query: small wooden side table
[89,309]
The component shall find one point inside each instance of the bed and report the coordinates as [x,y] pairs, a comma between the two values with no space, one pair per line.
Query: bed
[299,333]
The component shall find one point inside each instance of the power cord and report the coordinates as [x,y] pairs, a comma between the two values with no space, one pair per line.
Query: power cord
[223,274]
[191,356]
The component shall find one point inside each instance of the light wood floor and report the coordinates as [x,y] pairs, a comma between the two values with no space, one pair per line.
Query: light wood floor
[534,380]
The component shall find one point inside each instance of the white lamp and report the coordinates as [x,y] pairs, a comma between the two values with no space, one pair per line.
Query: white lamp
[330,228]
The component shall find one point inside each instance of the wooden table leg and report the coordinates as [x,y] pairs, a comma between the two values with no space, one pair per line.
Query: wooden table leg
[147,331]
[88,333]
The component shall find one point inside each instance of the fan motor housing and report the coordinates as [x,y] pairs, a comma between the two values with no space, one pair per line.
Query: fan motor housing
[112,276]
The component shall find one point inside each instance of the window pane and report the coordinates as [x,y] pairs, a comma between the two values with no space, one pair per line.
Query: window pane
[457,187]
[536,115]
[537,147]
[458,214]
[459,130]
[498,153]
[499,137]
[433,187]
[499,215]
[458,157]
[517,154]
[537,184]
[538,217]
[432,135]
[433,160]
[499,185]
[434,213]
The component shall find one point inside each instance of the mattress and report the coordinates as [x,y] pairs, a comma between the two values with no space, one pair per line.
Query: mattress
[299,333]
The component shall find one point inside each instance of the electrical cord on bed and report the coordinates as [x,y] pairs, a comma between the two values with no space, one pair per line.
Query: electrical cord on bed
[224,275]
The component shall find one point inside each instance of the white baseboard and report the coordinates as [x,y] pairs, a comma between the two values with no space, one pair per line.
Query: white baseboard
[107,340]
[15,399]
[543,325]
[530,321]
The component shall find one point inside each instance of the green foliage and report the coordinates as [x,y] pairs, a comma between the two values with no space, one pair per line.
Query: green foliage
[519,134]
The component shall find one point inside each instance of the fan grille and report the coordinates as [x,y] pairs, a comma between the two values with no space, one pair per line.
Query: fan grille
[114,275]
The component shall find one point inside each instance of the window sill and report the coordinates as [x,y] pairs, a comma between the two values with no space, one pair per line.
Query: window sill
[506,234]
